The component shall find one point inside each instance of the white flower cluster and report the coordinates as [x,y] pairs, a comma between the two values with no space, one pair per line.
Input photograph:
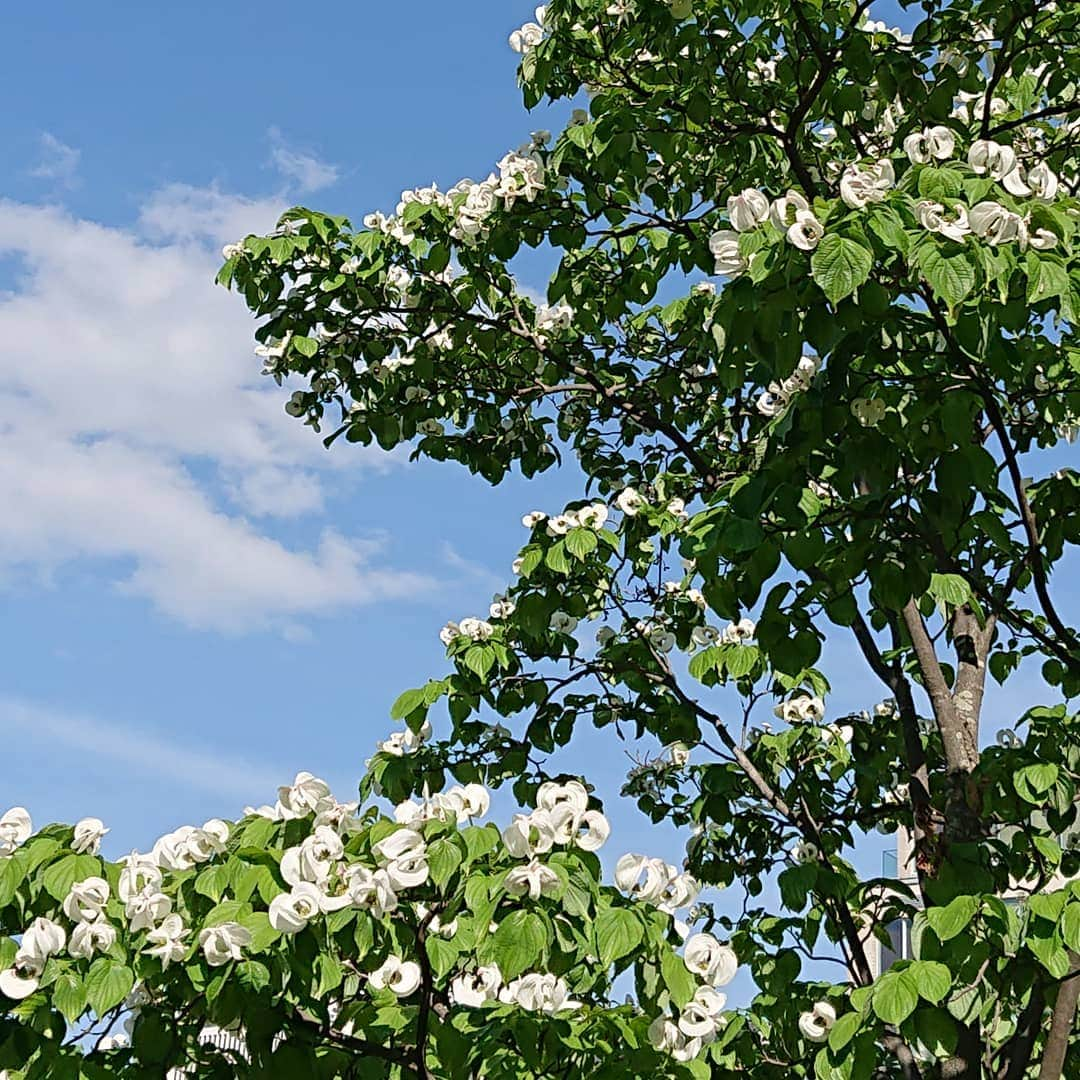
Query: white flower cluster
[864,183]
[535,991]
[594,516]
[461,803]
[521,176]
[700,1018]
[778,395]
[474,629]
[552,319]
[562,816]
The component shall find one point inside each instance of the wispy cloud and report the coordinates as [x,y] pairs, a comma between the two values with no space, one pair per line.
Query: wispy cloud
[474,571]
[59,162]
[80,736]
[100,455]
[304,170]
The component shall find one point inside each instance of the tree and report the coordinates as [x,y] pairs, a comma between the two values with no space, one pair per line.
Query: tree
[855,427]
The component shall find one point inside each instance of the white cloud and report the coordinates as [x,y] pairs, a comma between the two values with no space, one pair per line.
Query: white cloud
[131,396]
[468,569]
[59,162]
[79,736]
[302,170]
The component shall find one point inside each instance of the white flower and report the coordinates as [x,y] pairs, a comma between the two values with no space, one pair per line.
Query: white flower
[568,823]
[430,426]
[292,911]
[559,317]
[86,899]
[747,210]
[534,518]
[304,795]
[223,943]
[783,211]
[402,977]
[934,217]
[867,183]
[803,709]
[805,852]
[561,623]
[1041,239]
[1043,182]
[475,801]
[313,859]
[743,630]
[699,1015]
[408,872]
[561,524]
[448,633]
[90,937]
[987,157]
[168,941]
[539,993]
[930,143]
[527,37]
[15,830]
[230,251]
[516,565]
[477,988]
[724,246]
[43,938]
[705,956]
[678,754]
[140,873]
[477,629]
[663,641]
[573,793]
[990,221]
[370,890]
[806,231]
[88,834]
[815,1024]
[593,516]
[145,909]
[529,834]
[534,879]
[665,1036]
[643,878]
[17,984]
[629,501]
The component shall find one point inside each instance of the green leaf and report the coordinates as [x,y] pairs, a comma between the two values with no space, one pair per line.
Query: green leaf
[677,978]
[933,979]
[253,975]
[212,882]
[107,984]
[408,702]
[618,932]
[951,588]
[940,183]
[843,1031]
[952,919]
[69,996]
[63,873]
[519,943]
[840,266]
[1046,278]
[952,277]
[479,840]
[444,857]
[1070,927]
[481,659]
[304,345]
[12,873]
[581,543]
[1033,781]
[556,558]
[936,1031]
[895,997]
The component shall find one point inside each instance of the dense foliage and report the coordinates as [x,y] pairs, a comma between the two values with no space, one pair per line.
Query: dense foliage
[810,336]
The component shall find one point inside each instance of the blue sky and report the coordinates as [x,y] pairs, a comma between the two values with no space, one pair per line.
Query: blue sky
[198,600]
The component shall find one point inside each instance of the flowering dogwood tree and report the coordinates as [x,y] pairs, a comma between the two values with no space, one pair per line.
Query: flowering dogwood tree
[810,336]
